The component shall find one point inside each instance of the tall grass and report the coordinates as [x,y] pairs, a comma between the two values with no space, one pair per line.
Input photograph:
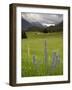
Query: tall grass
[33,47]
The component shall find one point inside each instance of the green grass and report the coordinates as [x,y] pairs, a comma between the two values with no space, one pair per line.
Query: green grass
[35,43]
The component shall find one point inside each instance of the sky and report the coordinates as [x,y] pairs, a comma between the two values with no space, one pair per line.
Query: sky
[46,19]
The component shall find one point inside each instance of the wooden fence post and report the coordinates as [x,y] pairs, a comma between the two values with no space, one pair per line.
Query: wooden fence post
[46,56]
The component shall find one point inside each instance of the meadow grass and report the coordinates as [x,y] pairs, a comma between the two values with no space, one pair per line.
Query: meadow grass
[34,44]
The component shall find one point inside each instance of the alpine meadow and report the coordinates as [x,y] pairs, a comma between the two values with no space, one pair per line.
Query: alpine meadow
[41,44]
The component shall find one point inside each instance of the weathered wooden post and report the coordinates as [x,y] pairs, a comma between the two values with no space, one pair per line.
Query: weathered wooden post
[58,58]
[34,58]
[34,63]
[28,54]
[53,65]
[45,56]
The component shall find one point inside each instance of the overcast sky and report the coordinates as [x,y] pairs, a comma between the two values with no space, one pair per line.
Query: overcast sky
[43,19]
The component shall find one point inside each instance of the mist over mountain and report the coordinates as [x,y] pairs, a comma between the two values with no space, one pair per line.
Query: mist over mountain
[36,26]
[56,28]
[38,21]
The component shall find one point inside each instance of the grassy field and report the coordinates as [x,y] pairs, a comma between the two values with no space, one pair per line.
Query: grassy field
[34,45]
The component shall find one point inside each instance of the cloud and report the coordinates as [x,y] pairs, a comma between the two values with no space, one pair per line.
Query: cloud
[43,18]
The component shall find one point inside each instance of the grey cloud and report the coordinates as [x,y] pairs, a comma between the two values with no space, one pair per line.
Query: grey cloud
[43,18]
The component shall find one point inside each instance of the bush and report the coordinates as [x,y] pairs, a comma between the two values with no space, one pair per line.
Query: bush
[24,35]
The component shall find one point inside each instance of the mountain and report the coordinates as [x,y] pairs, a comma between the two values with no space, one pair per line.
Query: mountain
[37,24]
[35,28]
[27,26]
